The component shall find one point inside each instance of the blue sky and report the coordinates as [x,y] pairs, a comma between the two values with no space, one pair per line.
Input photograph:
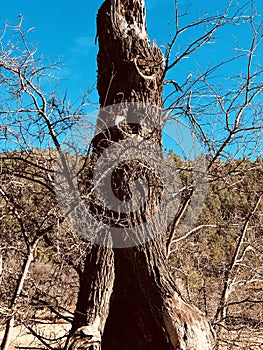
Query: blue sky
[66,30]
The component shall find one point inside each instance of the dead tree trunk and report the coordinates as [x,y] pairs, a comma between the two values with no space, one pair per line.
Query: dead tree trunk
[127,298]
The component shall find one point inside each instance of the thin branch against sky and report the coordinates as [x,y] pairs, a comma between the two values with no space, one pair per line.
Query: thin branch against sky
[67,31]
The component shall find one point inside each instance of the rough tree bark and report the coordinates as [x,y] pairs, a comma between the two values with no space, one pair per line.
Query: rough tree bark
[127,298]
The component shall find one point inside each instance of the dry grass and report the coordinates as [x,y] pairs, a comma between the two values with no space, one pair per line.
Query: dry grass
[241,339]
[22,338]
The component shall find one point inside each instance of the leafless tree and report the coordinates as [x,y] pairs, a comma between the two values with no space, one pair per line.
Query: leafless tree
[32,119]
[130,70]
[128,298]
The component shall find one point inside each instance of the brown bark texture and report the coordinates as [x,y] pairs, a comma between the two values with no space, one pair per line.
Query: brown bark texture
[128,299]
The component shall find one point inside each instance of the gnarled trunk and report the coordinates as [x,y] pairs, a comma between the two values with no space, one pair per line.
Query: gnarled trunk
[127,298]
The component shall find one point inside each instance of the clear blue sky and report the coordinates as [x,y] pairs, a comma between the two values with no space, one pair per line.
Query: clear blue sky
[67,30]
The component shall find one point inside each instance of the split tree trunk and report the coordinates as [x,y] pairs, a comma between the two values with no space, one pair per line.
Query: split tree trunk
[127,298]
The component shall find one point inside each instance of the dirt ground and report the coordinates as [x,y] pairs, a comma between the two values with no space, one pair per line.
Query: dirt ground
[23,339]
[242,339]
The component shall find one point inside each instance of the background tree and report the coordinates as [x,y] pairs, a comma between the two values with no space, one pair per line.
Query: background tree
[31,224]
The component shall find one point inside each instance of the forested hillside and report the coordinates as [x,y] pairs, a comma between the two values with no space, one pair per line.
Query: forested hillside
[217,264]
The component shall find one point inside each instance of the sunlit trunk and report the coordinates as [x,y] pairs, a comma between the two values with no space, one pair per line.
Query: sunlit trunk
[127,296]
